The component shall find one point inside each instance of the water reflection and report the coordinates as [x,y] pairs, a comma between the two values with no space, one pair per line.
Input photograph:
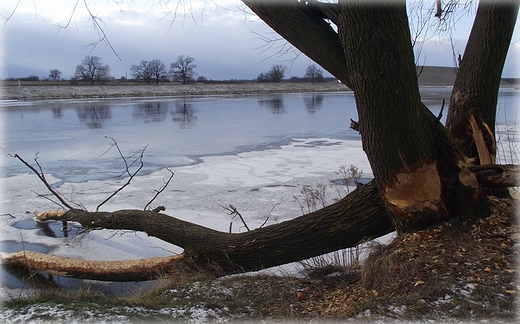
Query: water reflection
[95,115]
[273,103]
[184,113]
[151,111]
[313,102]
[57,112]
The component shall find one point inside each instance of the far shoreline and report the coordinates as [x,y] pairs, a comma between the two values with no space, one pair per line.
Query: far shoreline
[44,90]
[53,91]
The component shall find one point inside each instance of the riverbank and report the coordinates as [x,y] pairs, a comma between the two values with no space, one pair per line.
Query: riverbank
[457,272]
[43,91]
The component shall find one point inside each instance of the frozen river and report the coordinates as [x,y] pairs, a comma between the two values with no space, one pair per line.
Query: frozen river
[255,152]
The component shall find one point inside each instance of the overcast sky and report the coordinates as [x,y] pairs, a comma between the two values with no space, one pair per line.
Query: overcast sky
[225,41]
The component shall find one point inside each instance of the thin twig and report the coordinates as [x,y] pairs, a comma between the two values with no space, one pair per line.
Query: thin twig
[11,14]
[442,108]
[120,154]
[158,192]
[233,211]
[45,197]
[41,176]
[129,179]
[269,214]
[60,27]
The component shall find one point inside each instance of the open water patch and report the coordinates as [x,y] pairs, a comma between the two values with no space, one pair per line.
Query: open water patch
[53,229]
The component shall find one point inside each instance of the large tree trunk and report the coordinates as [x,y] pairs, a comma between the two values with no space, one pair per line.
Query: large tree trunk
[415,164]
[472,113]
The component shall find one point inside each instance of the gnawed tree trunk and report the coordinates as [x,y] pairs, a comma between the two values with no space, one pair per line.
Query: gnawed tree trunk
[126,270]
[344,224]
[472,113]
[415,163]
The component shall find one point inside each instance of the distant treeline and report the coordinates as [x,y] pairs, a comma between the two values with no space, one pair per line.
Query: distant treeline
[34,78]
[511,80]
[199,80]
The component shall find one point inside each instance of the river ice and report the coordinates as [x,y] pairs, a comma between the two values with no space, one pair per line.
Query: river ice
[259,184]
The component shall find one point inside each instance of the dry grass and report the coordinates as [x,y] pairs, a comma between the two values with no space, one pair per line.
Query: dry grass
[460,270]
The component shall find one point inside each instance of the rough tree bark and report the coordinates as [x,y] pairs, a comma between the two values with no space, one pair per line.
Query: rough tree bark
[475,92]
[420,174]
[415,163]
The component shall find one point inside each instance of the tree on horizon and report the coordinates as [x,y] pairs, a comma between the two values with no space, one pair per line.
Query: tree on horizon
[92,69]
[183,69]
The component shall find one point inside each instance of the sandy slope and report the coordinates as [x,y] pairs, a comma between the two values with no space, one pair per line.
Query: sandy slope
[66,91]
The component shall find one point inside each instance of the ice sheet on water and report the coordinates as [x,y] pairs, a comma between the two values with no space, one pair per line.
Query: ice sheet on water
[196,194]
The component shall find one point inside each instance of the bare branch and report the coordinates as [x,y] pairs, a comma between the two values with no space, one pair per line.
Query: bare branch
[127,170]
[11,14]
[45,197]
[104,38]
[41,176]
[233,211]
[158,192]
[60,27]
[280,45]
[269,214]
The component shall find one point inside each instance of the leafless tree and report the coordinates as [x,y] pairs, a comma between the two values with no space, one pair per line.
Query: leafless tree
[158,70]
[276,73]
[183,69]
[314,73]
[55,75]
[92,69]
[141,71]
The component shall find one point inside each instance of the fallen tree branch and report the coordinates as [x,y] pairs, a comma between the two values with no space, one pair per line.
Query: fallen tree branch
[497,175]
[125,270]
[358,217]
